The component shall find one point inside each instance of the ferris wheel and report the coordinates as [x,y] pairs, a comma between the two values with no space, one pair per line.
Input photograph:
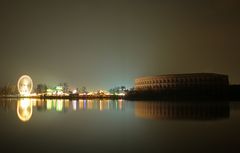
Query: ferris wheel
[25,85]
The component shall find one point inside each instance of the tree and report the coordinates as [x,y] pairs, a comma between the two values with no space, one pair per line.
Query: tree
[41,88]
[65,87]
[117,89]
[83,89]
[123,88]
[13,89]
[9,90]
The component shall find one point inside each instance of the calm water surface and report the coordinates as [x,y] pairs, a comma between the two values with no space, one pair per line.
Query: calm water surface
[29,125]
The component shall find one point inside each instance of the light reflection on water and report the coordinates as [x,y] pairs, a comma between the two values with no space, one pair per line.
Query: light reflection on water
[24,109]
[118,126]
[76,105]
[25,106]
[144,110]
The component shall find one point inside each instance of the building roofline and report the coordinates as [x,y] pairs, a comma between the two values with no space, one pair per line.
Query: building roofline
[182,75]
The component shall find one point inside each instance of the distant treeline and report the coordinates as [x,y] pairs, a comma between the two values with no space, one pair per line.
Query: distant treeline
[42,88]
[8,90]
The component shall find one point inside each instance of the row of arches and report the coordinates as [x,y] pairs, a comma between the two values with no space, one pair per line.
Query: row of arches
[188,80]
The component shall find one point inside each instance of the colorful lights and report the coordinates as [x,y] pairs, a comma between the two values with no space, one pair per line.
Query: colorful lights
[25,106]
[25,86]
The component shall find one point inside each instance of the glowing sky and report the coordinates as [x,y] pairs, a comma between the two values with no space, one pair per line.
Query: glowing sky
[101,44]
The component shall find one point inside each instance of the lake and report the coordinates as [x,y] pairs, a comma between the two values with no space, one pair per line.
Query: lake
[33,125]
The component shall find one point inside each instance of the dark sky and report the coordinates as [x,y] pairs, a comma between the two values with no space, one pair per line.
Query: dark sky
[101,44]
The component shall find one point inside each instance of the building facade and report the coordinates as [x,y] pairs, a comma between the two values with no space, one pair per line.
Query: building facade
[182,81]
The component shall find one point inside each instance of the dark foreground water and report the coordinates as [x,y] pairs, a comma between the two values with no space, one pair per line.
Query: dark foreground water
[118,126]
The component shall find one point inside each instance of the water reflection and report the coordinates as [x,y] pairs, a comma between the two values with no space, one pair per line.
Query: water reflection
[182,111]
[144,110]
[25,106]
[24,109]
[76,105]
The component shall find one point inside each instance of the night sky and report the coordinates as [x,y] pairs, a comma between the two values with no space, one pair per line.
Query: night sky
[102,44]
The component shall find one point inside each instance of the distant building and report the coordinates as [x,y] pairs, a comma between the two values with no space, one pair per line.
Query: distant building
[182,81]
[183,86]
[57,91]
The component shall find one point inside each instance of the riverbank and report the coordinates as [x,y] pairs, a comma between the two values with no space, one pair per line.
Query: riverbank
[180,95]
[65,97]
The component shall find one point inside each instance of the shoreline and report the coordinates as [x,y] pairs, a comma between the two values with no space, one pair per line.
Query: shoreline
[156,99]
[63,97]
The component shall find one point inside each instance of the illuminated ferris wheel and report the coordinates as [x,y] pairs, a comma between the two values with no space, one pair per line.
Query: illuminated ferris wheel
[25,85]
